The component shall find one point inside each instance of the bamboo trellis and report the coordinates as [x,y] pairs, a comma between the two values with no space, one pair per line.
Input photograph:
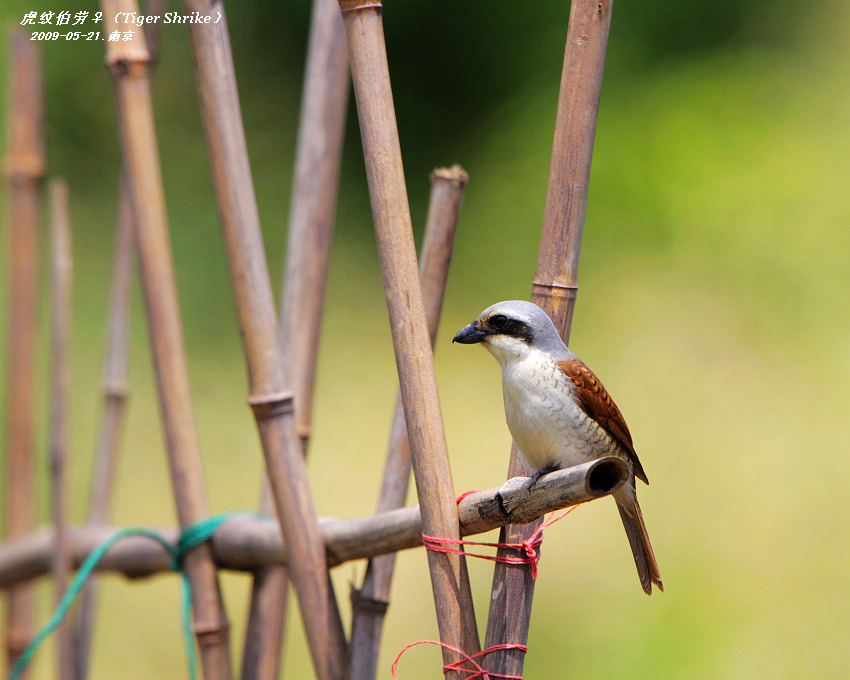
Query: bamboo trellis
[281,355]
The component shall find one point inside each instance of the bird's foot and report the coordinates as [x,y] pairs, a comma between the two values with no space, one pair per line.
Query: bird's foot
[537,474]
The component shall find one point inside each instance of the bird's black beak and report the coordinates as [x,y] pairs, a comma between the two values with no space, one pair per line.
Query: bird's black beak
[469,335]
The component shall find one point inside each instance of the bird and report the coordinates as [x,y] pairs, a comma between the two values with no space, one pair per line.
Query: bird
[558,412]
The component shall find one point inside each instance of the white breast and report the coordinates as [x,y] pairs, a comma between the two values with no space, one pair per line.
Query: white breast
[547,425]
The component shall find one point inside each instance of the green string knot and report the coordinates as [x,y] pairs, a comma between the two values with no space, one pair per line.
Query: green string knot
[190,538]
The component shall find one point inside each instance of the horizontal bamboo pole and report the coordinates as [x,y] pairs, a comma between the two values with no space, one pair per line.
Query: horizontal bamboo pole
[246,543]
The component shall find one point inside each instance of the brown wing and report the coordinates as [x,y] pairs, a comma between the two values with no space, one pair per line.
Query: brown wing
[595,401]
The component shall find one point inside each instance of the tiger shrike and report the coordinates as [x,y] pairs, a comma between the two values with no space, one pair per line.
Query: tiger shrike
[558,412]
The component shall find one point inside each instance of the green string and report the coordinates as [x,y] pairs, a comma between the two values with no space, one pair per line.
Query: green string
[191,537]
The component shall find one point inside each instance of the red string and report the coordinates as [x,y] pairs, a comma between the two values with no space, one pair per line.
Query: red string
[528,547]
[476,672]
[465,494]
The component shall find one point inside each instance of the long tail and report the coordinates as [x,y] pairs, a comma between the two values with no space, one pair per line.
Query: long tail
[638,539]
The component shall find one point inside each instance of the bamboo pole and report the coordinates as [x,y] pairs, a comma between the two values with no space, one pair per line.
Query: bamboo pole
[128,63]
[555,283]
[115,387]
[318,158]
[26,168]
[115,394]
[246,543]
[391,213]
[115,366]
[61,265]
[371,600]
[263,648]
[270,398]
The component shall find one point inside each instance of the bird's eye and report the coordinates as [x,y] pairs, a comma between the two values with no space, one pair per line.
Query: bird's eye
[499,321]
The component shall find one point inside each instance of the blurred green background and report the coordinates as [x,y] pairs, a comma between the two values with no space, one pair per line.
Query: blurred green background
[713,304]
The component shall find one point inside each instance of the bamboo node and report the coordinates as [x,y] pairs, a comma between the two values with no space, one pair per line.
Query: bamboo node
[124,67]
[272,405]
[353,5]
[16,642]
[24,166]
[210,633]
[558,290]
[117,390]
[361,602]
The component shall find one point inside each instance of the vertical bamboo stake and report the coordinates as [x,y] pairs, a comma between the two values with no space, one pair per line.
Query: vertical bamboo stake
[115,388]
[391,213]
[555,283]
[371,601]
[26,164]
[313,207]
[115,366]
[270,398]
[115,395]
[61,264]
[311,219]
[128,63]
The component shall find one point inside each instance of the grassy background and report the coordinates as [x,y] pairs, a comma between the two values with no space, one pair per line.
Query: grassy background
[713,305]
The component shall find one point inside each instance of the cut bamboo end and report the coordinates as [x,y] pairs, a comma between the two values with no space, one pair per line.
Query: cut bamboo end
[455,174]
[519,503]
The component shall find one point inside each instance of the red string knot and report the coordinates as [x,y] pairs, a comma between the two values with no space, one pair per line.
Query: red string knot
[477,671]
